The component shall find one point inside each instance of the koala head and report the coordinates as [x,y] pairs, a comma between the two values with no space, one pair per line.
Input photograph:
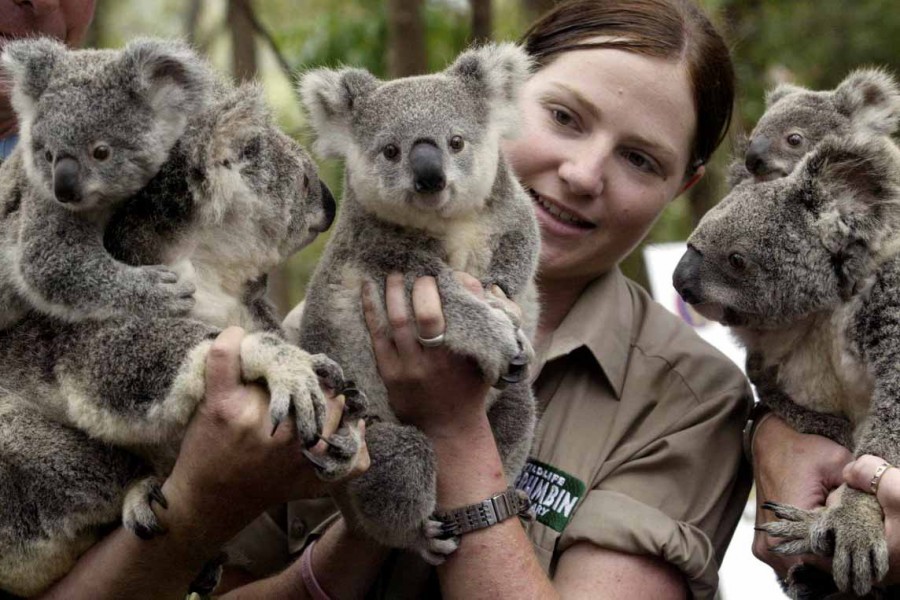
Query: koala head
[97,124]
[423,146]
[773,253]
[796,119]
[249,175]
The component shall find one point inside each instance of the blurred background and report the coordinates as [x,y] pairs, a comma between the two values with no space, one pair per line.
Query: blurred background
[810,42]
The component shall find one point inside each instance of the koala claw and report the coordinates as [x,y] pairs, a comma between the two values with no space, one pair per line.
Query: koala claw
[795,527]
[329,372]
[340,455]
[436,546]
[137,511]
[355,402]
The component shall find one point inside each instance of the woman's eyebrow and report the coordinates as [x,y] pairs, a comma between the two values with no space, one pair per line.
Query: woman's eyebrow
[580,99]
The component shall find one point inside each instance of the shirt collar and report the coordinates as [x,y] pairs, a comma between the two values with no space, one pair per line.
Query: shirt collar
[601,321]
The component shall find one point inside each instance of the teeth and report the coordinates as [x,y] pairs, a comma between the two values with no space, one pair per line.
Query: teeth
[556,211]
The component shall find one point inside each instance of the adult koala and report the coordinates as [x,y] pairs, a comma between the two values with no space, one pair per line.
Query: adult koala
[92,412]
[796,119]
[805,269]
[426,192]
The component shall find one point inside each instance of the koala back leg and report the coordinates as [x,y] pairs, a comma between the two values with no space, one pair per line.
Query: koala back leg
[512,418]
[394,500]
[59,492]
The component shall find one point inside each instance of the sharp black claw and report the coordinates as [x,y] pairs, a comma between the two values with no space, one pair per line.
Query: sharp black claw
[274,428]
[769,505]
[156,495]
[314,459]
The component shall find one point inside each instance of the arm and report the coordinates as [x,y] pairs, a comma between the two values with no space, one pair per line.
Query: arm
[497,561]
[230,467]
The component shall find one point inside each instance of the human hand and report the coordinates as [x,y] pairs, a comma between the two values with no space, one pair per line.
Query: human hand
[859,474]
[231,465]
[796,469]
[437,391]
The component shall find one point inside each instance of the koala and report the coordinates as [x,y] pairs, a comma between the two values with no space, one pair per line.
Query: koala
[96,125]
[805,269]
[92,411]
[426,192]
[796,119]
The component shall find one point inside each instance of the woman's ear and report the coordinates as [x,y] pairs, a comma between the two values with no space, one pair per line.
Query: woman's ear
[694,178]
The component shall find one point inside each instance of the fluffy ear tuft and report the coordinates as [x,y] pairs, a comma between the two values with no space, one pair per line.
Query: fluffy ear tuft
[30,63]
[170,75]
[330,96]
[871,99]
[782,90]
[497,72]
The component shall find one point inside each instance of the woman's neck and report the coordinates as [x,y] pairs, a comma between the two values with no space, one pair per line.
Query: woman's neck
[557,299]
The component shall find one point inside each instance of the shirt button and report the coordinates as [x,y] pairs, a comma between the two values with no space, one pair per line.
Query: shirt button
[298,528]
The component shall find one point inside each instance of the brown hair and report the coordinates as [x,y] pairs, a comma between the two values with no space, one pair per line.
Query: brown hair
[669,29]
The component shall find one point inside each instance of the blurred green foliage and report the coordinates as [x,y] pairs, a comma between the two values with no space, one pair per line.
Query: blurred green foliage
[809,42]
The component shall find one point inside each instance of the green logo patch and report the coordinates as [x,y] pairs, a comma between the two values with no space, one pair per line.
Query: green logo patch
[554,493]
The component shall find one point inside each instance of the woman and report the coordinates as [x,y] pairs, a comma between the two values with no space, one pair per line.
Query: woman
[640,418]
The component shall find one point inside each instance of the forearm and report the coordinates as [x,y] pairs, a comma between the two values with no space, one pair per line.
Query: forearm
[497,561]
[345,565]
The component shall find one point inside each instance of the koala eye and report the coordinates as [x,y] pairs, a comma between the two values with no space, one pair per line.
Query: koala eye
[48,156]
[391,152]
[101,152]
[795,139]
[737,261]
[456,143]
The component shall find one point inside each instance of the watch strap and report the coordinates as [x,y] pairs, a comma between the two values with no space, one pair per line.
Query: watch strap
[496,509]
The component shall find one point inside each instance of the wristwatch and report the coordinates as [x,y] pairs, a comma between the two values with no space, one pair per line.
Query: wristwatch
[491,511]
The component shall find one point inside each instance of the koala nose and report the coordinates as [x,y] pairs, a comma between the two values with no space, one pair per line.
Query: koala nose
[686,278]
[427,163]
[755,160]
[329,205]
[65,180]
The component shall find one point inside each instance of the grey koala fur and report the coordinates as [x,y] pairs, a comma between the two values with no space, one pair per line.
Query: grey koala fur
[419,202]
[806,271]
[796,119]
[92,412]
[96,125]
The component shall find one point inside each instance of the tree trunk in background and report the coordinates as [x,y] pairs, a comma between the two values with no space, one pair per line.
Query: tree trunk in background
[192,22]
[96,34]
[482,22]
[406,38]
[536,8]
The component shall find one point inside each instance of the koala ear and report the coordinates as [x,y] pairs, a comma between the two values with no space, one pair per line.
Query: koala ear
[780,91]
[330,97]
[30,63]
[170,75]
[856,171]
[496,72]
[871,99]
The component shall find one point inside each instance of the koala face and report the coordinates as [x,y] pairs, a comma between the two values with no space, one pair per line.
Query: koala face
[796,119]
[772,253]
[426,145]
[97,125]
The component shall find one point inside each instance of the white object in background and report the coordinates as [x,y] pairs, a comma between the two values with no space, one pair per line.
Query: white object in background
[741,575]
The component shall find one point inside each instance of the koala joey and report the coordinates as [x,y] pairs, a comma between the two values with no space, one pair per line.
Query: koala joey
[96,125]
[426,192]
[92,411]
[806,271]
[796,119]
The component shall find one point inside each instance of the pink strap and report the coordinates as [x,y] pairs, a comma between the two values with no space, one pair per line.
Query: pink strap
[309,579]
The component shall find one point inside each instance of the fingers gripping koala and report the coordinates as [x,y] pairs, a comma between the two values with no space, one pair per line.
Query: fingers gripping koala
[96,125]
[796,119]
[806,271]
[426,192]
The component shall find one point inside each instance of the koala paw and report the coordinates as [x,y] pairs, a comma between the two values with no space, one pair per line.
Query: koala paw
[795,529]
[329,372]
[137,511]
[290,374]
[355,402]
[161,293]
[518,365]
[342,449]
[434,546]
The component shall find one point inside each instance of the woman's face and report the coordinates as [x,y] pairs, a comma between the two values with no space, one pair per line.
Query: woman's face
[605,145]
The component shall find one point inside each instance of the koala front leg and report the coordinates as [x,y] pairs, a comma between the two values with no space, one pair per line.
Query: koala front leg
[476,329]
[63,268]
[394,500]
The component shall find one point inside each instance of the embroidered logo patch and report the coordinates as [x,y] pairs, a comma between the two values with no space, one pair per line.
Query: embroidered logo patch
[554,493]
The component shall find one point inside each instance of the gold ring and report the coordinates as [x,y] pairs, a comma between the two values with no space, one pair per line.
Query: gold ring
[876,478]
[431,342]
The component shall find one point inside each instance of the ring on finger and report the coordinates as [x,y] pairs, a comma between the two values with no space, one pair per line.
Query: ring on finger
[433,342]
[876,478]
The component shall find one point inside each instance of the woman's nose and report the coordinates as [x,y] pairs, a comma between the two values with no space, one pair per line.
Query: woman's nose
[583,171]
[40,7]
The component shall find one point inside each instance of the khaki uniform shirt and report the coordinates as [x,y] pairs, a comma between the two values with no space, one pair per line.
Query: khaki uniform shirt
[638,446]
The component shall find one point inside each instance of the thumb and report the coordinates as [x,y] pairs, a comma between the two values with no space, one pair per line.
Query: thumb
[223,365]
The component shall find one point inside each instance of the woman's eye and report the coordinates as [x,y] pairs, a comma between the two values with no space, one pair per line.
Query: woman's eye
[562,117]
[640,161]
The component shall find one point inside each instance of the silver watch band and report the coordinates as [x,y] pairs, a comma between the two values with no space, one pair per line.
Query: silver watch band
[493,510]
